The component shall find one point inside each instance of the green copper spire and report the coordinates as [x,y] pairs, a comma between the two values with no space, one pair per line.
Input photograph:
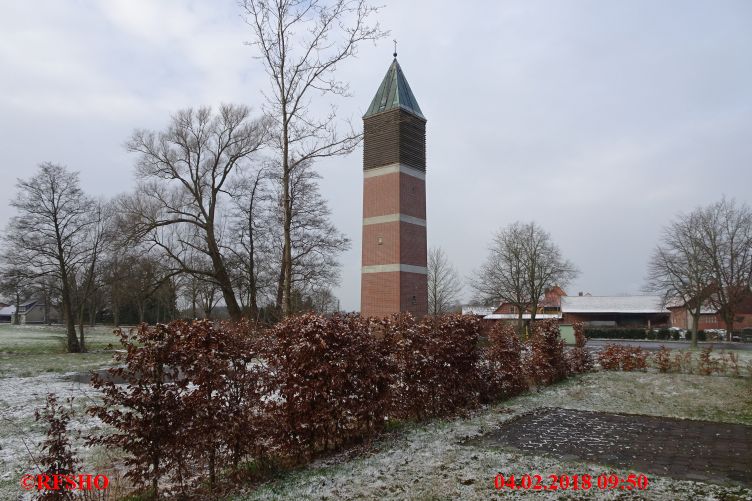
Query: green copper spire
[394,92]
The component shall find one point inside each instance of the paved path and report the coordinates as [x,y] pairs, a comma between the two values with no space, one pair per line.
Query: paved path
[676,448]
[597,344]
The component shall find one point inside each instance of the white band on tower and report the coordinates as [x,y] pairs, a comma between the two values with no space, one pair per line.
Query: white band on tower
[393,169]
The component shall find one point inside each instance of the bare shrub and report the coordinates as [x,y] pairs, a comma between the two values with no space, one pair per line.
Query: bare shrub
[662,359]
[57,456]
[682,362]
[731,361]
[707,364]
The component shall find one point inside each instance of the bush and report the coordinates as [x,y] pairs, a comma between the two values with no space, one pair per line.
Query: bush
[579,358]
[701,336]
[626,358]
[662,359]
[546,364]
[57,456]
[190,405]
[147,413]
[675,335]
[217,360]
[614,332]
[331,376]
[707,365]
[651,335]
[506,376]
[437,364]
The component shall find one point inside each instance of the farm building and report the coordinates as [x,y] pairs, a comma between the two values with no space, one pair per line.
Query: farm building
[615,311]
[30,312]
[710,317]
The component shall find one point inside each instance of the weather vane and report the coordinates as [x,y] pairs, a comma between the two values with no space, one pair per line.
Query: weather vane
[395,47]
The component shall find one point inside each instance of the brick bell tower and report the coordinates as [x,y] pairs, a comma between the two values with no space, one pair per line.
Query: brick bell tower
[394,273]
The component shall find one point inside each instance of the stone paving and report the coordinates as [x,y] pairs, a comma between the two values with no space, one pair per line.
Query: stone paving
[677,448]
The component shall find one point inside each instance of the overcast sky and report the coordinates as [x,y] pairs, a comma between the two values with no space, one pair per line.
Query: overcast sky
[599,120]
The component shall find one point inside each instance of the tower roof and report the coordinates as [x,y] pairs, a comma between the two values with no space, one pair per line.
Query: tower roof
[394,92]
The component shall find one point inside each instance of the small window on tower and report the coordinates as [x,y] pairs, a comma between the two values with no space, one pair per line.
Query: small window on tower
[415,300]
[380,240]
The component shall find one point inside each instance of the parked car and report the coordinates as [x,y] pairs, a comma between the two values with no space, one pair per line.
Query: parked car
[746,335]
[716,334]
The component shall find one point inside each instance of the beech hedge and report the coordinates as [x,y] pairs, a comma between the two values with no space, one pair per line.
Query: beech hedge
[201,399]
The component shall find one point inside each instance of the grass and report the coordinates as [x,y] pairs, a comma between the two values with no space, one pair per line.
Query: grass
[40,339]
[27,351]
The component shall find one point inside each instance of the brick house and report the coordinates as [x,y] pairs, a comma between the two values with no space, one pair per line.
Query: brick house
[710,317]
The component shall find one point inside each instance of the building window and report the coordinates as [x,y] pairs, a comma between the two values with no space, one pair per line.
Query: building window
[380,240]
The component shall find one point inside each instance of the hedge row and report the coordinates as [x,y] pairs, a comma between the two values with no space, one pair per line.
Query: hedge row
[637,333]
[203,398]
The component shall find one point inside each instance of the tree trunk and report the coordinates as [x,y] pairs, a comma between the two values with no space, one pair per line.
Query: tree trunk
[253,300]
[695,324]
[116,313]
[521,326]
[73,346]
[287,219]
[729,321]
[17,317]
[223,279]
[280,288]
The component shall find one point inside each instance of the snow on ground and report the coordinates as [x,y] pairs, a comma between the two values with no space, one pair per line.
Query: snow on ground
[423,461]
[33,364]
[429,462]
[20,435]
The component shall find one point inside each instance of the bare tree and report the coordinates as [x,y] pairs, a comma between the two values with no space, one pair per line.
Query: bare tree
[444,285]
[726,229]
[301,42]
[523,262]
[316,242]
[679,268]
[85,276]
[252,231]
[324,301]
[49,236]
[185,172]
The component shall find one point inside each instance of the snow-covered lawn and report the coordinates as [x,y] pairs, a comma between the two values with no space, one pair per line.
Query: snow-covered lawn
[38,339]
[33,363]
[429,462]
